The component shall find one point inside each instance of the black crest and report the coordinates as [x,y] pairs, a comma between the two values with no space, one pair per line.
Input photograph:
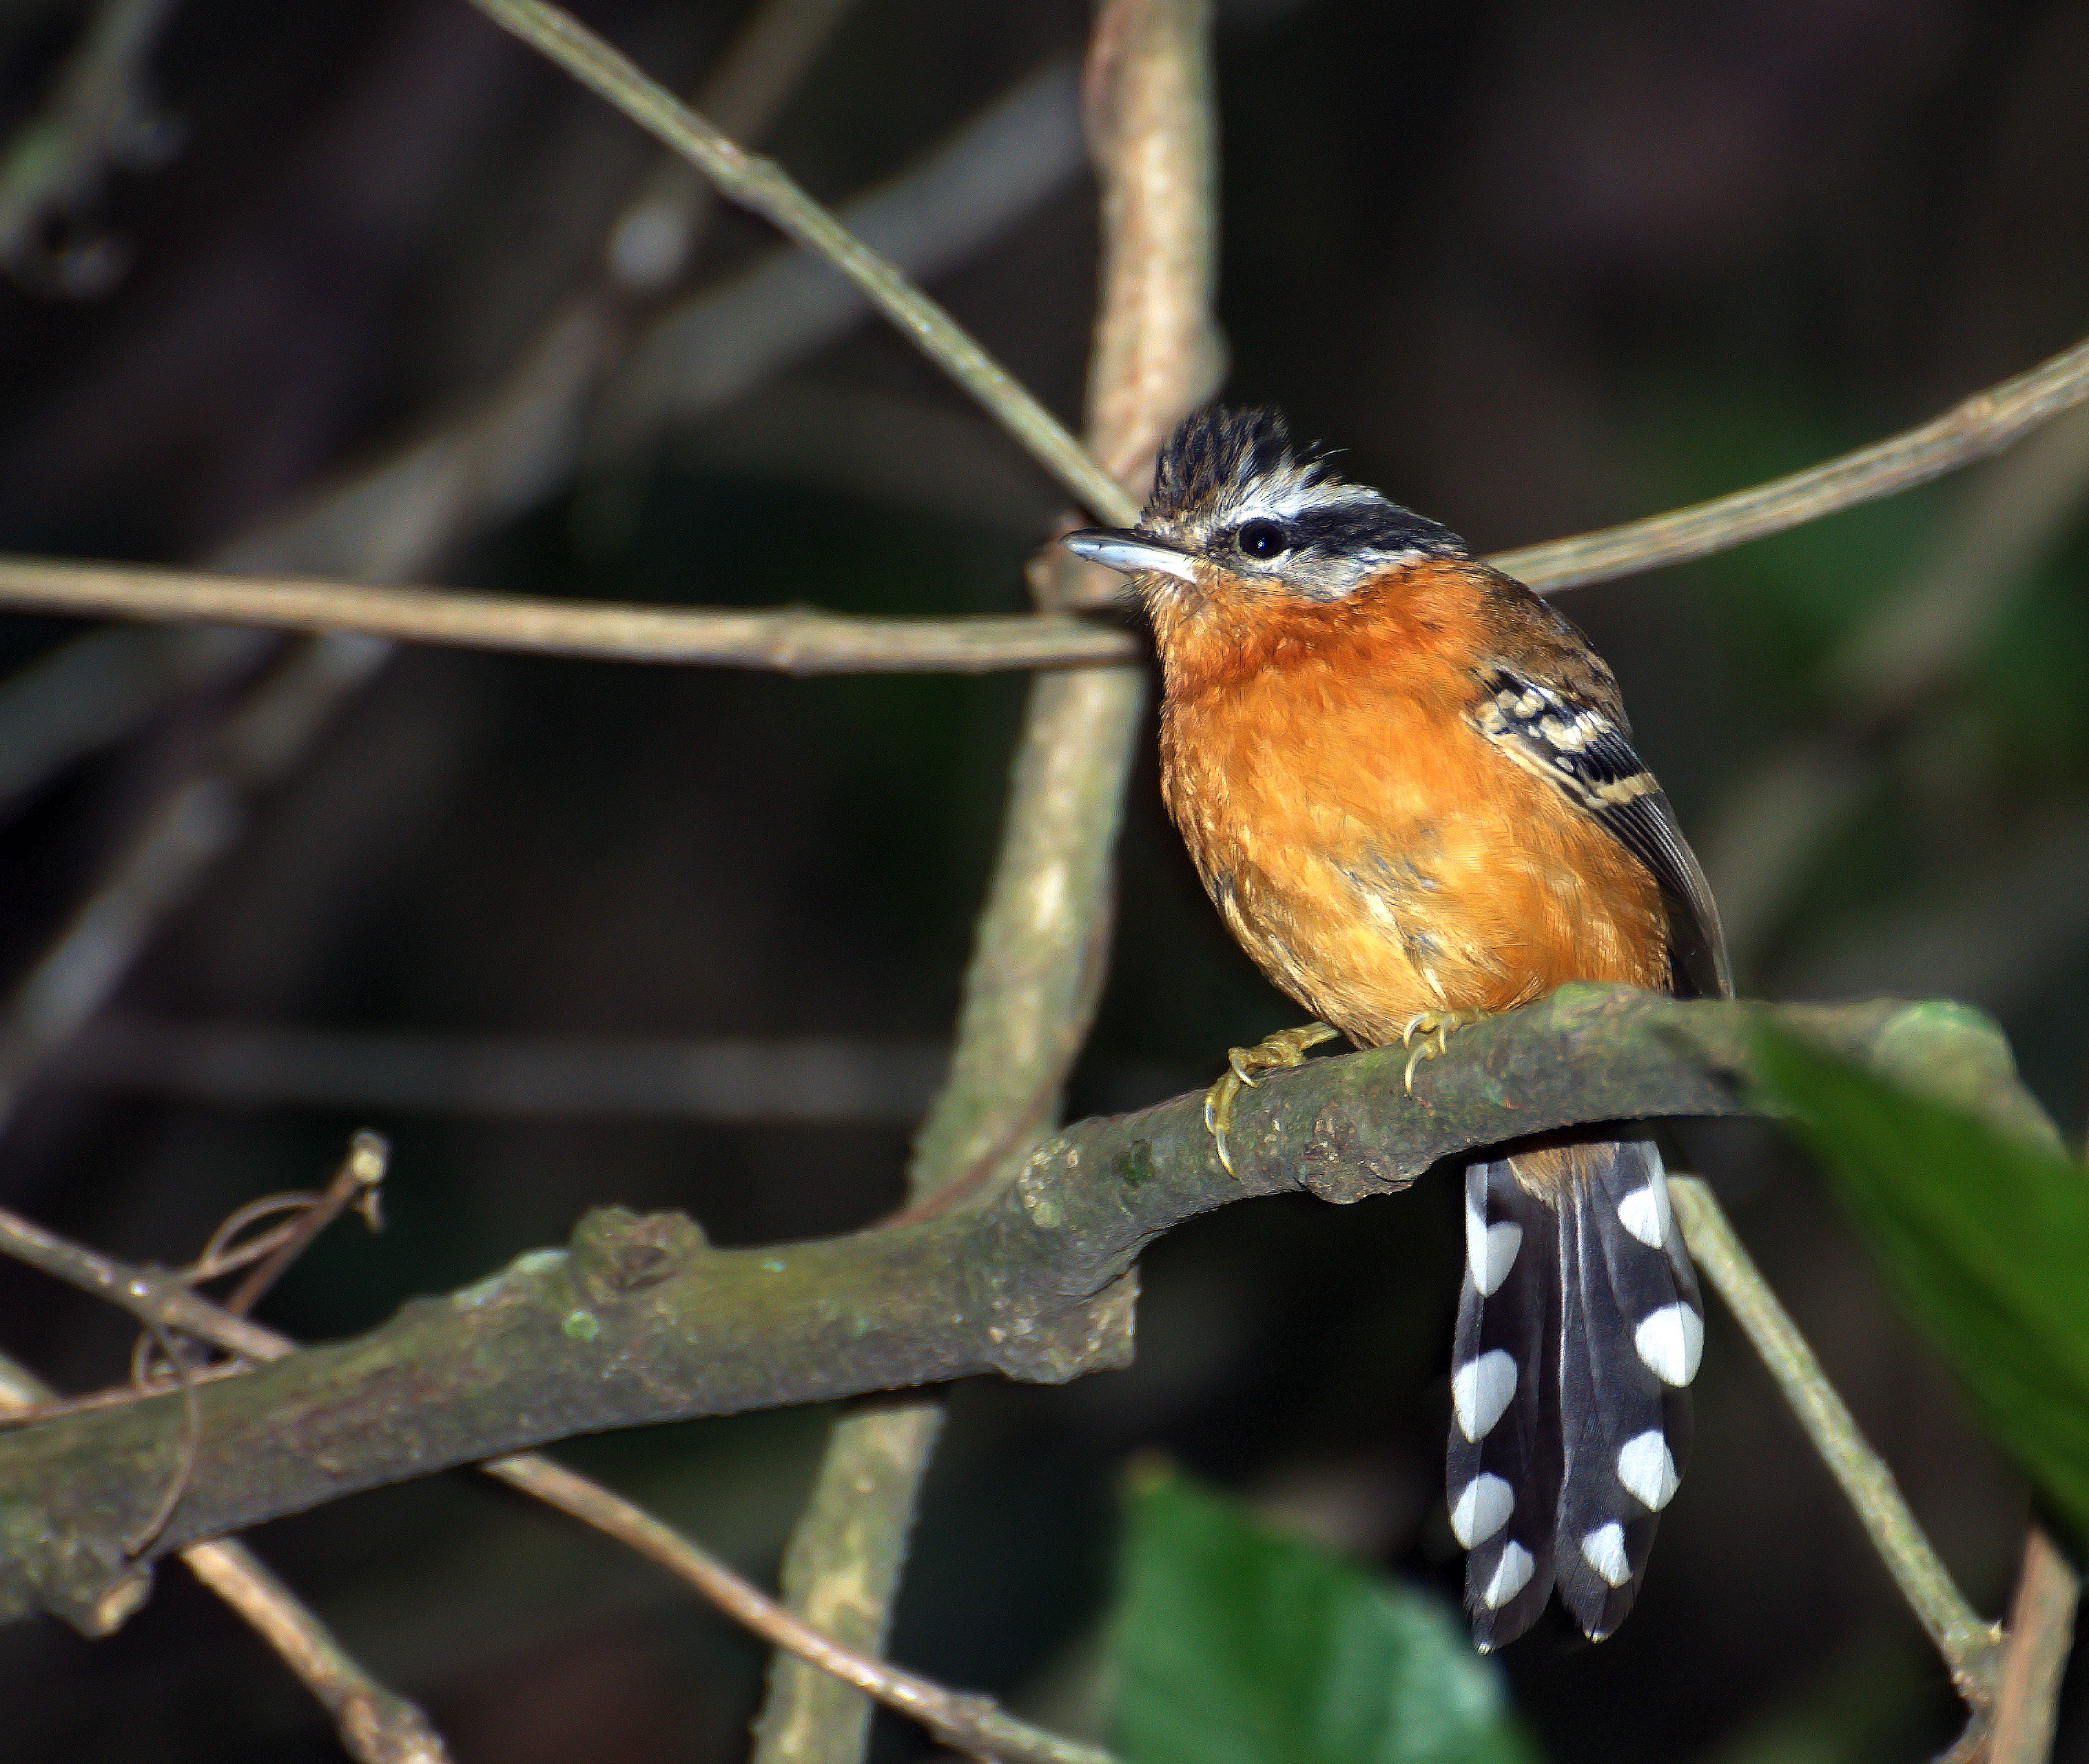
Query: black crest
[1216,450]
[1223,469]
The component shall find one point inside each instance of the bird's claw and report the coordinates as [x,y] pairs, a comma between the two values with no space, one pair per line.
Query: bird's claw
[1436,1025]
[1287,1047]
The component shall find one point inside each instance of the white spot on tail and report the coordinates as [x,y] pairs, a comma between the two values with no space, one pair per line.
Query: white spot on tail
[1670,1342]
[1480,1389]
[1490,1251]
[1645,1468]
[1482,1510]
[1604,1551]
[1644,1213]
[1512,1574]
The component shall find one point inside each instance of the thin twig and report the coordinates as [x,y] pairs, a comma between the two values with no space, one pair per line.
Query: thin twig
[111,1397]
[1041,942]
[376,1725]
[195,826]
[1974,427]
[1971,1647]
[1891,680]
[761,184]
[82,965]
[401,517]
[654,237]
[228,1250]
[137,1541]
[2040,1633]
[156,1299]
[975,1726]
[794,640]
[360,1173]
[93,690]
[708,351]
[798,640]
[409,508]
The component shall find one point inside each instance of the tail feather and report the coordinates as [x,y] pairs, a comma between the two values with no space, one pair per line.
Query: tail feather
[1504,1461]
[1632,1332]
[1601,1304]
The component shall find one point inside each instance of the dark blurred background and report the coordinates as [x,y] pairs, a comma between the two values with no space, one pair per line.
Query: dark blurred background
[1538,268]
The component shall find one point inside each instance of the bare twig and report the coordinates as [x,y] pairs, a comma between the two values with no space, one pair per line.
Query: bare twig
[975,1726]
[759,183]
[93,690]
[189,832]
[1042,942]
[230,1249]
[2041,1632]
[712,348]
[156,1299]
[1976,427]
[111,1396]
[1890,678]
[656,233]
[791,639]
[1040,946]
[140,1540]
[1971,1648]
[360,1173]
[404,515]
[801,640]
[376,1725]
[83,965]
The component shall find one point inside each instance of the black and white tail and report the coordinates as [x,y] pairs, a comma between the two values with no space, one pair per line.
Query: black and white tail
[1579,1331]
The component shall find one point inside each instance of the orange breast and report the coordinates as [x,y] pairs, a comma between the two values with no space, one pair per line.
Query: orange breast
[1370,849]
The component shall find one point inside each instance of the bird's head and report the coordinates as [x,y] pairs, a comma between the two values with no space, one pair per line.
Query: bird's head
[1238,515]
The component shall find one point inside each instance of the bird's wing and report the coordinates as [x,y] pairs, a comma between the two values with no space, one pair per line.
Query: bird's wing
[1584,751]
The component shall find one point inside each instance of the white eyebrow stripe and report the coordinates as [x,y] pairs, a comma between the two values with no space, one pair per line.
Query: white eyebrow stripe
[1280,498]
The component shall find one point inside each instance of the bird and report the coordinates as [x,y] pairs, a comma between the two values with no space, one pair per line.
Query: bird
[1408,783]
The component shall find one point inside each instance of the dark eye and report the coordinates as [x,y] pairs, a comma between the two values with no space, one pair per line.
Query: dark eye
[1262,539]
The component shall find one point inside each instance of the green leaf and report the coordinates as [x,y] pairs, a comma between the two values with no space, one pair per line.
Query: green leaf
[1233,1644]
[1984,1238]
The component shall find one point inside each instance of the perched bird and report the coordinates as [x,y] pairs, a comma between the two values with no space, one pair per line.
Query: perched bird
[1408,785]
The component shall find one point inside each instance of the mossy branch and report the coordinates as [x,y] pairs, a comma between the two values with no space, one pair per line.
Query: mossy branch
[639,1320]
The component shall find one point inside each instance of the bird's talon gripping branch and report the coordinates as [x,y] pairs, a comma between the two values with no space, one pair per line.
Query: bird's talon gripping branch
[1287,1047]
[1438,1024]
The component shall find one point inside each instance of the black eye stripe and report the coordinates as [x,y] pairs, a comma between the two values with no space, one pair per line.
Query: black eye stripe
[1344,528]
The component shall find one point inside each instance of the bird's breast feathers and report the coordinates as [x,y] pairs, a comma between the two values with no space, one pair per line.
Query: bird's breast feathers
[1377,856]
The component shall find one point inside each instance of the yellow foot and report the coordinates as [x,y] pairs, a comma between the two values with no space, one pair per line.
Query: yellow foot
[1287,1047]
[1434,1028]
